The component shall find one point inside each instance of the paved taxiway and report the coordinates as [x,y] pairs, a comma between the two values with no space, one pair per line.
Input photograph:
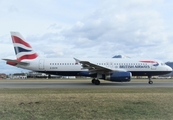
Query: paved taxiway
[80,84]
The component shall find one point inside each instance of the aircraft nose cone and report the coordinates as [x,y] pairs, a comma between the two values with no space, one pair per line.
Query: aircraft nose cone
[169,68]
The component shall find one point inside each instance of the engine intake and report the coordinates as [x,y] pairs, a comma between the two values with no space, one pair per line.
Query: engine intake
[119,76]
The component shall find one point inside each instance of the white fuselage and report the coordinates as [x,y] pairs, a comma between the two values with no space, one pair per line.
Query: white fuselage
[66,66]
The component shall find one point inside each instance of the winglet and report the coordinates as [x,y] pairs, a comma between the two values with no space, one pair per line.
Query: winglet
[77,61]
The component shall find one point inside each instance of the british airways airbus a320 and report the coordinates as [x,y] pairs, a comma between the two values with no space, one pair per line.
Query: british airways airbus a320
[115,70]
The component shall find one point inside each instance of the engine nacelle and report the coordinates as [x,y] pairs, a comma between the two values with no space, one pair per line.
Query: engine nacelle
[119,76]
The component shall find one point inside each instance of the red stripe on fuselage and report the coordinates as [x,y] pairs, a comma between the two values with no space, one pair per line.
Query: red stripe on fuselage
[148,61]
[29,57]
[20,41]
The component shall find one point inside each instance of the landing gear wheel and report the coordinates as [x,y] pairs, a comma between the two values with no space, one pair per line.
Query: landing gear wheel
[97,82]
[150,82]
[93,81]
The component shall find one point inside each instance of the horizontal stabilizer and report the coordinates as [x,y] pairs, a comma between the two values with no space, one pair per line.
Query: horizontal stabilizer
[15,62]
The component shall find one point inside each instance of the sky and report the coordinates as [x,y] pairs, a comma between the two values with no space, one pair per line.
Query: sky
[88,28]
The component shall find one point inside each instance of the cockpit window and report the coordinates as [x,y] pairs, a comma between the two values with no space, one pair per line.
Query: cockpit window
[162,63]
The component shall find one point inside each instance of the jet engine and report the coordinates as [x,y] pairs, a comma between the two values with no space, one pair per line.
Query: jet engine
[119,77]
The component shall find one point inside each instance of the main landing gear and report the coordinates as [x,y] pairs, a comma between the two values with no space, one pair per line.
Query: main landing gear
[49,76]
[150,81]
[95,81]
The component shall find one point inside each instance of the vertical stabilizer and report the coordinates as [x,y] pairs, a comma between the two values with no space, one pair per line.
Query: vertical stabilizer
[23,50]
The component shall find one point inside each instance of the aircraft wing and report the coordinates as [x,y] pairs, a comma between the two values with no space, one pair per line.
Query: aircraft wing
[16,61]
[94,68]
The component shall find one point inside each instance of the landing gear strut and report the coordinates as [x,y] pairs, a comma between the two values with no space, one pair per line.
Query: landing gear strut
[49,76]
[150,81]
[95,81]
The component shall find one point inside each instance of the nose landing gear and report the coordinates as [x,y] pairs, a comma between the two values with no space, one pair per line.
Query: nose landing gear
[150,81]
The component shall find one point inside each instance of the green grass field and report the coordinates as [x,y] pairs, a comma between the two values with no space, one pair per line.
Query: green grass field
[87,104]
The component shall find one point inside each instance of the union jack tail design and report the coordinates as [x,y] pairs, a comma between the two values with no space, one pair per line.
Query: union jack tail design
[23,50]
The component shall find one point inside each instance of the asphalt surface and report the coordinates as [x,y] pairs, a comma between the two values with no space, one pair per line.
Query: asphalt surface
[80,84]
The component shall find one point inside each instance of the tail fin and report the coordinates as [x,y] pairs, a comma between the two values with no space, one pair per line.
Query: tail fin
[23,50]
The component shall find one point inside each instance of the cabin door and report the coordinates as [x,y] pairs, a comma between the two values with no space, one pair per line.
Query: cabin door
[41,64]
[153,67]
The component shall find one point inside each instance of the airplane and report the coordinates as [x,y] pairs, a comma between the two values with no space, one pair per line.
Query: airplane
[110,69]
